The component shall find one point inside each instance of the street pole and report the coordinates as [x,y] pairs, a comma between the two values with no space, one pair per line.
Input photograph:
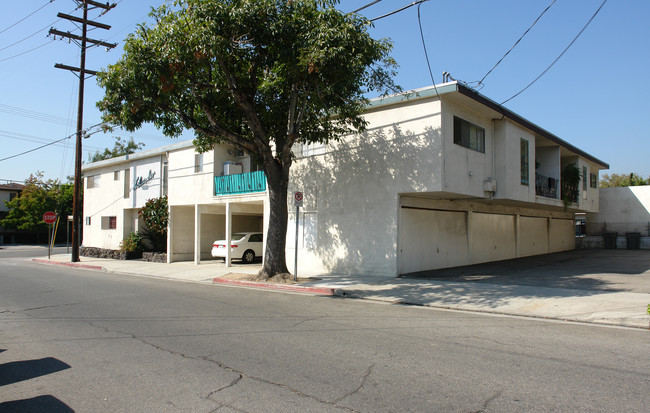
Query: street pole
[295,262]
[76,208]
[84,40]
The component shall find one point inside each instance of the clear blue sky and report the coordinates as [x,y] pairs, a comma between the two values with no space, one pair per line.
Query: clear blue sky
[595,97]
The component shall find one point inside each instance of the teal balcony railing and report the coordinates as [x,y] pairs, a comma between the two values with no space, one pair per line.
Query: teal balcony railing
[240,184]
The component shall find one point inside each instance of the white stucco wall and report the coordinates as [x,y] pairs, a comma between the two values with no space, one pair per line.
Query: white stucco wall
[107,198]
[623,209]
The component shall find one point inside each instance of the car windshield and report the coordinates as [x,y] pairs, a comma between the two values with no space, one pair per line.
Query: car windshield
[237,237]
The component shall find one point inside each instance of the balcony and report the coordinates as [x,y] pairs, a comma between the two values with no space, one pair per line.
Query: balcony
[240,183]
[545,186]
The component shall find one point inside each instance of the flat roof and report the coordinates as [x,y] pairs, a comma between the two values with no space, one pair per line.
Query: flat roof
[378,103]
[455,87]
[138,155]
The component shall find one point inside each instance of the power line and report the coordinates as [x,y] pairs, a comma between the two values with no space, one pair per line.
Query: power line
[366,6]
[398,10]
[26,17]
[426,55]
[558,58]
[43,146]
[30,50]
[516,43]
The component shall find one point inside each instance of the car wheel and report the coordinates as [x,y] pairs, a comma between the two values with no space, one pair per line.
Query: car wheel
[248,256]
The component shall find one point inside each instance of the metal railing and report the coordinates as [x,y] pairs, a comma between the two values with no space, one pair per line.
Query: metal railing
[240,183]
[545,186]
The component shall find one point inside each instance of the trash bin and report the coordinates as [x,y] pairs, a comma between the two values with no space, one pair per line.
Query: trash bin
[610,240]
[633,240]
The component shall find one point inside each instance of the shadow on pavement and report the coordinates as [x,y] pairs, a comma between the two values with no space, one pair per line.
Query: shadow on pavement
[17,371]
[44,403]
[590,270]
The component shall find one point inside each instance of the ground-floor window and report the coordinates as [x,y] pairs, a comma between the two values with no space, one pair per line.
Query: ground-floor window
[109,222]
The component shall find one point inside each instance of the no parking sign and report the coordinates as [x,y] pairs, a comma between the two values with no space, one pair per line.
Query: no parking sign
[297,199]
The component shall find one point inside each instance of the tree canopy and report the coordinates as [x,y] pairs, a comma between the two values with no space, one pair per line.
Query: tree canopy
[38,197]
[613,180]
[260,75]
[121,147]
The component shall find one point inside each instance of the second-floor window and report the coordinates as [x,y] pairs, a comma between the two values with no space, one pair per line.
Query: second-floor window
[469,135]
[584,178]
[198,162]
[92,182]
[593,180]
[524,162]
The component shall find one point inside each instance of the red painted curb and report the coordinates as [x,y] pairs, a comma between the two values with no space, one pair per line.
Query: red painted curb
[281,287]
[68,264]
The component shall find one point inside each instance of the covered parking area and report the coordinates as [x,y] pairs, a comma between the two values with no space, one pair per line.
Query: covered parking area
[194,228]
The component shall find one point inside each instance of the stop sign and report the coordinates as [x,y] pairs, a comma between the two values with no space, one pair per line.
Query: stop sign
[49,217]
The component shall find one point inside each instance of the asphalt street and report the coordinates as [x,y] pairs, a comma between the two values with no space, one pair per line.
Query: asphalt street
[77,340]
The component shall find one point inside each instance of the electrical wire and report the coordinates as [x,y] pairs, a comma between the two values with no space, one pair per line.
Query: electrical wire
[426,55]
[43,146]
[366,6]
[26,17]
[398,10]
[30,50]
[558,58]
[480,82]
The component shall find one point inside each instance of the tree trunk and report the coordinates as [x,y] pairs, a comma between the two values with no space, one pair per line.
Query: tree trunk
[274,256]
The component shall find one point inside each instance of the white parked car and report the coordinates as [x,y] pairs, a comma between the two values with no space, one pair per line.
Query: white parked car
[244,245]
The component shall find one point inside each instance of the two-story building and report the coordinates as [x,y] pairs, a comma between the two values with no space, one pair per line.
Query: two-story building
[442,177]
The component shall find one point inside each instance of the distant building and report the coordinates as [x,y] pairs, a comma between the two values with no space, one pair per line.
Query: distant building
[7,193]
[442,177]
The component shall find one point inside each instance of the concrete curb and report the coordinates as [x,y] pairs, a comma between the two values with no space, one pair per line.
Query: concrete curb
[282,287]
[69,264]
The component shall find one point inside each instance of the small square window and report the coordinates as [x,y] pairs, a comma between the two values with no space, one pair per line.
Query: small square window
[92,182]
[109,222]
[469,135]
[88,220]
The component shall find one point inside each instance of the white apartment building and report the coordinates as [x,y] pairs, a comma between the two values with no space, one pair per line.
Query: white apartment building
[442,177]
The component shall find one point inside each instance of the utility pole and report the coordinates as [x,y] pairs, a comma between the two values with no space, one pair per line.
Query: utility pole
[82,41]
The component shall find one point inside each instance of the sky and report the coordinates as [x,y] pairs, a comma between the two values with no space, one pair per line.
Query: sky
[594,96]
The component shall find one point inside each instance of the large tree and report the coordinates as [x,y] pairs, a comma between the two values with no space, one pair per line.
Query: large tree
[261,75]
[613,180]
[38,197]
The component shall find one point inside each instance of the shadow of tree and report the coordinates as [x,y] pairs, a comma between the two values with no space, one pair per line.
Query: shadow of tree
[348,195]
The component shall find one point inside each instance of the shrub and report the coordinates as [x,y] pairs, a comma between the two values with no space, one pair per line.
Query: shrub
[132,244]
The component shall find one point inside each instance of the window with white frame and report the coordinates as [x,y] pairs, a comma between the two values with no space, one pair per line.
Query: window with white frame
[92,182]
[127,183]
[88,220]
[198,162]
[109,222]
[469,135]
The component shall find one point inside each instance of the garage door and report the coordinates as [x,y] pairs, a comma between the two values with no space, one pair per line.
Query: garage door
[430,239]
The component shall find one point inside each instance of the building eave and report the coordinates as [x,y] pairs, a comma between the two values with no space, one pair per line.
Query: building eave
[137,155]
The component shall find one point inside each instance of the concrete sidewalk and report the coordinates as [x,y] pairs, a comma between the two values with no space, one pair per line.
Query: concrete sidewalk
[619,308]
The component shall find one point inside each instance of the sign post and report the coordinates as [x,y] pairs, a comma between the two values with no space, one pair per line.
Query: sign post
[50,218]
[297,201]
